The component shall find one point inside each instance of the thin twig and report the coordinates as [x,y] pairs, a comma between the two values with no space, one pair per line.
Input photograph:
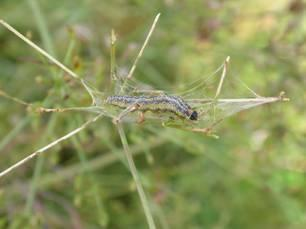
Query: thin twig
[143,47]
[241,100]
[100,162]
[113,56]
[43,149]
[17,100]
[143,199]
[47,55]
[40,50]
[34,108]
[222,76]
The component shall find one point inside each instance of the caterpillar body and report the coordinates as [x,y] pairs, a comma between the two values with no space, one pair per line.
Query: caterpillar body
[159,103]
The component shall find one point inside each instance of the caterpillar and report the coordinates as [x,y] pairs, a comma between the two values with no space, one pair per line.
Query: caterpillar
[159,103]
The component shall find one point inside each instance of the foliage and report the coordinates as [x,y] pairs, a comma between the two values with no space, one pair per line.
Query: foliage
[252,177]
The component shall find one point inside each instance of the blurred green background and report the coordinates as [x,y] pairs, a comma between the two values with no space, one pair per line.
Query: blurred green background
[252,177]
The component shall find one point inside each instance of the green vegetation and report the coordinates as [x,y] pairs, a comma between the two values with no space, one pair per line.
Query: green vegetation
[251,177]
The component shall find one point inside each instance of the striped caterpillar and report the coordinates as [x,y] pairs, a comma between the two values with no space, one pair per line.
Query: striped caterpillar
[159,103]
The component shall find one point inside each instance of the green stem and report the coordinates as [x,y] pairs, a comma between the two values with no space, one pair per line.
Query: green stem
[141,193]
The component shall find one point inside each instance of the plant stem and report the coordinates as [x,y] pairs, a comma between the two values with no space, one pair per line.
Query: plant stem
[143,199]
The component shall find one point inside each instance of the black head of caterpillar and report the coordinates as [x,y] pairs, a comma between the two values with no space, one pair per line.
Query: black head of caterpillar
[194,116]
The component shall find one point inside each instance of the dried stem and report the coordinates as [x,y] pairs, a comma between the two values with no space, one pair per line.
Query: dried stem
[40,50]
[143,47]
[17,100]
[43,149]
[281,97]
[225,65]
[34,108]
[47,55]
